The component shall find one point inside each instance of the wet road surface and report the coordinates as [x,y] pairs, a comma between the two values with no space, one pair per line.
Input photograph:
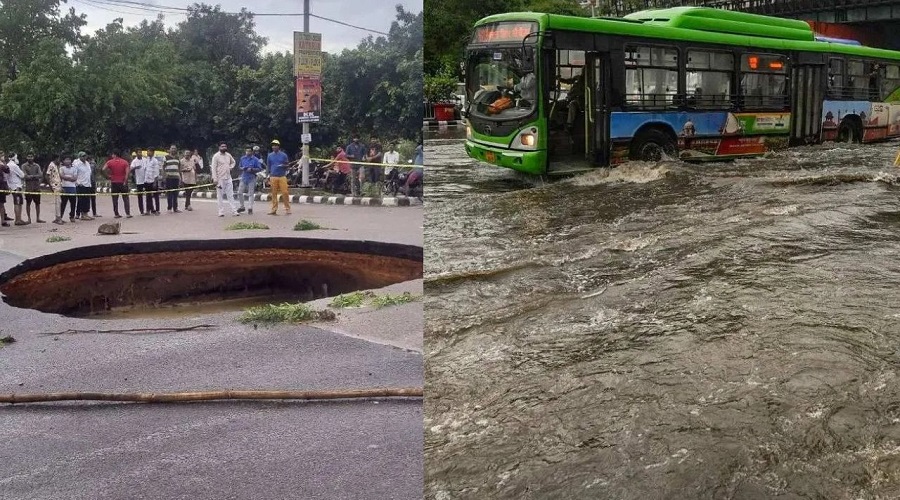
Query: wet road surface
[727,330]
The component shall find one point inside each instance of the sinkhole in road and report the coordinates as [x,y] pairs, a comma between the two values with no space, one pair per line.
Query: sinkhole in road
[145,277]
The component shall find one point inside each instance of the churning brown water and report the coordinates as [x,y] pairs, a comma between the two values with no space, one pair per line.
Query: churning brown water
[726,330]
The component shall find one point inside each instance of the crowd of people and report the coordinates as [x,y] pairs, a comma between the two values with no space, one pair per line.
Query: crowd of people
[344,165]
[73,180]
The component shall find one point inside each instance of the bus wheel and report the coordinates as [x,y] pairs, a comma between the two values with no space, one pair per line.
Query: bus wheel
[652,145]
[849,131]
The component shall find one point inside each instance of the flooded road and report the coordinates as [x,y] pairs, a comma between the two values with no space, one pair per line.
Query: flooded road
[727,330]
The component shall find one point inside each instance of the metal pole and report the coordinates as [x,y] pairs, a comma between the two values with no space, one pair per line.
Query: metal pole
[304,160]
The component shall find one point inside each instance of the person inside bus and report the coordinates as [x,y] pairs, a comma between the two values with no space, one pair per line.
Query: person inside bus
[873,82]
[574,98]
[696,98]
[527,87]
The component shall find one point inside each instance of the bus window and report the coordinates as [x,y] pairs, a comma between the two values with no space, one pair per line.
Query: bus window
[651,76]
[764,81]
[709,76]
[499,84]
[835,78]
[891,81]
[858,80]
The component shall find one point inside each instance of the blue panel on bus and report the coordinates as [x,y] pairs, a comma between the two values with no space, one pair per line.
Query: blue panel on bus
[624,125]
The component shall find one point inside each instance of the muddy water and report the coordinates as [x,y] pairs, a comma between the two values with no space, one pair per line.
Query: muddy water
[665,330]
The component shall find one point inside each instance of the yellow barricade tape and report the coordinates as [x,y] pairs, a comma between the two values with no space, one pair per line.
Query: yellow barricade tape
[352,162]
[136,193]
[198,186]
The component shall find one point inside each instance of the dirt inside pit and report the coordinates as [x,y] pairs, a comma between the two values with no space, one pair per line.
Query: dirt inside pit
[132,277]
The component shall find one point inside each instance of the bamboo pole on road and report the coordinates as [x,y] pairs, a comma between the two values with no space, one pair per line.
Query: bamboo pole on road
[183,397]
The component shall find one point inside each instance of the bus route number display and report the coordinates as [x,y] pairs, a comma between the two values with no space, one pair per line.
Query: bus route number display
[503,32]
[765,63]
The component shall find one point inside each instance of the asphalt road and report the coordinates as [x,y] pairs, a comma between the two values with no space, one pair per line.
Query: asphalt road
[220,450]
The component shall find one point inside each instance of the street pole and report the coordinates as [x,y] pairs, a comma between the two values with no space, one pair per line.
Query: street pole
[304,160]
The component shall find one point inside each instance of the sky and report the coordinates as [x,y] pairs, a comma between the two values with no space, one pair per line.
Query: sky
[373,14]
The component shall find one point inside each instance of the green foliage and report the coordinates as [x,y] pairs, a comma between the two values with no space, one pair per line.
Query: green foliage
[55,239]
[9,339]
[440,87]
[448,28]
[24,24]
[238,226]
[284,313]
[355,299]
[305,225]
[393,300]
[359,299]
[203,81]
[208,34]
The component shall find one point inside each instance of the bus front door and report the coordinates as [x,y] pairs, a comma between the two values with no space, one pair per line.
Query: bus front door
[586,135]
[597,89]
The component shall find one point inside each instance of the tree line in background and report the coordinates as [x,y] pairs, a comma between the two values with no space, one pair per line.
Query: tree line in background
[204,81]
[448,27]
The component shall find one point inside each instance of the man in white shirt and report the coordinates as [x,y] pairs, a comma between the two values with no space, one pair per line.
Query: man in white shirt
[15,179]
[67,176]
[83,176]
[137,165]
[392,157]
[220,166]
[150,167]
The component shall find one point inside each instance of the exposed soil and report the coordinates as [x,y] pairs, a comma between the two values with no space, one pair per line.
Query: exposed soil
[97,279]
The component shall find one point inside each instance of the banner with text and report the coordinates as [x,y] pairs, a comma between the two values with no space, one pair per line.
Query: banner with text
[309,99]
[308,71]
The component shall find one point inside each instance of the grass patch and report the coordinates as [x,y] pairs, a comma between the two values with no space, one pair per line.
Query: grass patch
[6,340]
[359,299]
[237,226]
[305,225]
[284,313]
[54,239]
[355,299]
[393,300]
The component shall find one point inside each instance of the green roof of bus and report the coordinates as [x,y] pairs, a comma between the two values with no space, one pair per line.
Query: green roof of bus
[706,26]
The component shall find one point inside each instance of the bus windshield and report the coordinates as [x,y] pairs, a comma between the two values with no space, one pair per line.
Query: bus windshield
[499,84]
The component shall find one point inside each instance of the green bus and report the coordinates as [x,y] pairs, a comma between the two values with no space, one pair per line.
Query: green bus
[549,94]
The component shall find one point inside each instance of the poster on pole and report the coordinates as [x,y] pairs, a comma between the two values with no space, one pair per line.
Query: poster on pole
[308,73]
[309,99]
[307,54]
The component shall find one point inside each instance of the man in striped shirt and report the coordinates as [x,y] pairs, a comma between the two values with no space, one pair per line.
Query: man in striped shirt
[172,168]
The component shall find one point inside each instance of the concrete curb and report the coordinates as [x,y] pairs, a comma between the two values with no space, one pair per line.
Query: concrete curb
[442,123]
[398,201]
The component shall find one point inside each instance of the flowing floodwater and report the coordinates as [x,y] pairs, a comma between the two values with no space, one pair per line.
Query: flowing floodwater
[676,331]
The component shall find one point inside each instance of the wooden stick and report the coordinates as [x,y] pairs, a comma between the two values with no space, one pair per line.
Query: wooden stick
[134,330]
[182,397]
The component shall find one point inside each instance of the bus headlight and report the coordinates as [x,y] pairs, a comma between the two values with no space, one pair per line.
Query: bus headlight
[526,139]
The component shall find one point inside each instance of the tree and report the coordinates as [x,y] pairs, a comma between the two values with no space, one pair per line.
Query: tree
[448,28]
[128,80]
[40,107]
[208,34]
[25,23]
[377,87]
